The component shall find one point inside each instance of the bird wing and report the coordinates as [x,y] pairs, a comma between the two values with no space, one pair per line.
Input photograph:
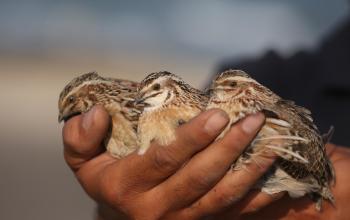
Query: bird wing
[299,134]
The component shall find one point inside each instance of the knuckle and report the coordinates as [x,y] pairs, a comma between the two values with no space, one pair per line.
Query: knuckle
[115,195]
[259,165]
[164,160]
[195,139]
[199,131]
[76,142]
[236,150]
[232,146]
[236,140]
[241,139]
[109,191]
[253,207]
[226,198]
[193,135]
[199,181]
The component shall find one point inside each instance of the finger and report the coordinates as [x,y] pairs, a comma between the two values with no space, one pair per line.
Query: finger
[231,188]
[206,168]
[83,135]
[254,201]
[159,162]
[257,200]
[142,173]
[330,148]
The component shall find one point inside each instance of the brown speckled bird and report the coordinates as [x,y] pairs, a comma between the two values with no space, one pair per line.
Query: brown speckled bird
[169,102]
[116,96]
[302,167]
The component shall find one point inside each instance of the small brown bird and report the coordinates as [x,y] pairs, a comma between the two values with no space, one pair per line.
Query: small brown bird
[168,102]
[289,131]
[116,96]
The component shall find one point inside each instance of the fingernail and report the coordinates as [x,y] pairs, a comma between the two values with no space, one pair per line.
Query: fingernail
[252,123]
[216,122]
[88,118]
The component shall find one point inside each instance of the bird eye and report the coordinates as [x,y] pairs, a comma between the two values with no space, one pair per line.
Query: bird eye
[71,99]
[233,84]
[156,86]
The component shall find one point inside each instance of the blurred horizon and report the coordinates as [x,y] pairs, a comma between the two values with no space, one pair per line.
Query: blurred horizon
[44,44]
[154,33]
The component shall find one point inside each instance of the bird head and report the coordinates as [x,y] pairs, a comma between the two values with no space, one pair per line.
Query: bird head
[230,84]
[159,89]
[78,96]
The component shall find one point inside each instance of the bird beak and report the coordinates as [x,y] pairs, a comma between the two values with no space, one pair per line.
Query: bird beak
[139,100]
[210,89]
[66,116]
[60,118]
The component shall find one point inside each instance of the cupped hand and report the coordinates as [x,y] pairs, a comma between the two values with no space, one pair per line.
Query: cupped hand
[188,179]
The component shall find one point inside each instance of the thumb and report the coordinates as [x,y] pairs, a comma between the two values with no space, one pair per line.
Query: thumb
[83,136]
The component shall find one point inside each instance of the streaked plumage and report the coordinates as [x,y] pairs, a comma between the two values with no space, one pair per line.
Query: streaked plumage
[169,102]
[289,131]
[117,96]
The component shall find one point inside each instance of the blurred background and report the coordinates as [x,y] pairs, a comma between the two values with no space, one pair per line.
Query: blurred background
[44,44]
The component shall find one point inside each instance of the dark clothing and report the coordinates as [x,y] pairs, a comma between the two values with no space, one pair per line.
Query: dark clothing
[318,80]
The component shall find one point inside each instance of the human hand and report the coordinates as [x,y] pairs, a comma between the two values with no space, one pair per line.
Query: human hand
[303,208]
[186,180]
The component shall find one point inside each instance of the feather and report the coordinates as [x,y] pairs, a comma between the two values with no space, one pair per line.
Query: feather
[278,122]
[280,150]
[281,137]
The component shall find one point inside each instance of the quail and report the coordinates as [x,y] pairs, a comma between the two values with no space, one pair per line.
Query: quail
[302,166]
[116,96]
[168,102]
